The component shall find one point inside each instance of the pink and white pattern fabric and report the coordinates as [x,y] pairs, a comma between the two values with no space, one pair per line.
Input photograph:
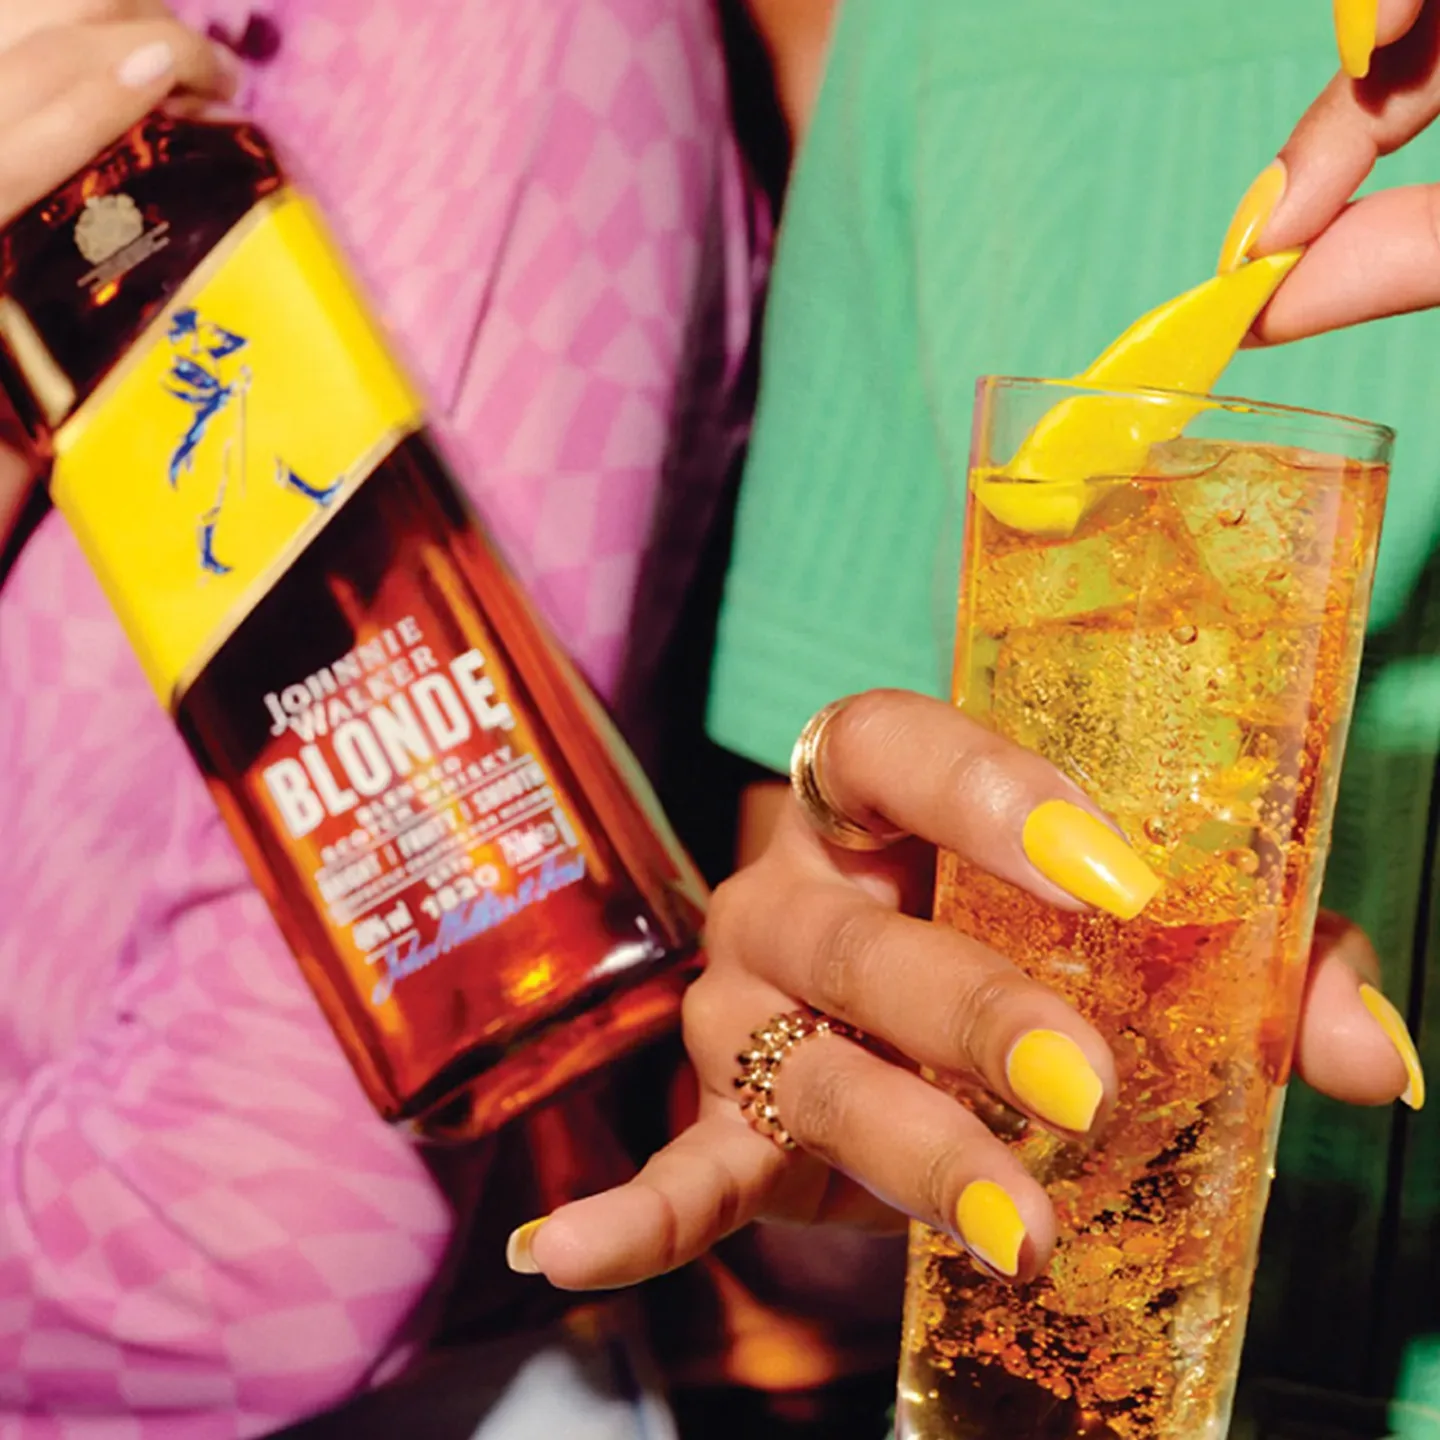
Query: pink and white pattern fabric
[204,1231]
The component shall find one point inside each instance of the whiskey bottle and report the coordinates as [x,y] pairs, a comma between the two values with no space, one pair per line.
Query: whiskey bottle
[468,865]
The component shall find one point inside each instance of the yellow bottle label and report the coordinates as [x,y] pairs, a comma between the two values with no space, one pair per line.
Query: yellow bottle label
[248,413]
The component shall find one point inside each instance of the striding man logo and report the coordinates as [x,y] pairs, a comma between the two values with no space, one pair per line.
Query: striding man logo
[208,374]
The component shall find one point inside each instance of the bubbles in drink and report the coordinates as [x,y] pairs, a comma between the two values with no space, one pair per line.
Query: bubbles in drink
[1171,657]
[1247,862]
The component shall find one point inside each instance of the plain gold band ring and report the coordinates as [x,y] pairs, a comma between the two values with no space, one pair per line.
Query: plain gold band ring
[808,785]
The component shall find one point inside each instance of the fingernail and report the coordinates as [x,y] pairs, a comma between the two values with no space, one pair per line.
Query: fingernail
[991,1226]
[146,65]
[1071,848]
[1397,1033]
[1251,217]
[1355,22]
[1049,1073]
[520,1248]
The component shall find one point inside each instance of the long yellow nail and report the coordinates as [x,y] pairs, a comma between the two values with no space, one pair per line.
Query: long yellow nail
[1251,216]
[1049,1073]
[1355,22]
[991,1226]
[519,1248]
[1071,848]
[1397,1033]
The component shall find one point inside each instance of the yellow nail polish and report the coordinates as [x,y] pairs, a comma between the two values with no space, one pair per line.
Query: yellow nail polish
[991,1226]
[1050,1075]
[1075,851]
[1355,22]
[1397,1033]
[519,1249]
[1251,216]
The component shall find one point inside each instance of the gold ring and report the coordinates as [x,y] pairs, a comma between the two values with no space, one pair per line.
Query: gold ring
[760,1064]
[829,821]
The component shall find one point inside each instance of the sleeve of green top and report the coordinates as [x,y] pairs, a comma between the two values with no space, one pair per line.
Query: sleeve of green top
[839,420]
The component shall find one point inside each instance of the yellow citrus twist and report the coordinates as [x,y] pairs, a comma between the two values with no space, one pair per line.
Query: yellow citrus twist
[1184,346]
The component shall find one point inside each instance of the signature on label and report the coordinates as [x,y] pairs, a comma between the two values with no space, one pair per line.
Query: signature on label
[400,960]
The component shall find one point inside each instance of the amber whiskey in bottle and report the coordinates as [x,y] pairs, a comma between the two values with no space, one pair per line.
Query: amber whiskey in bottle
[466,862]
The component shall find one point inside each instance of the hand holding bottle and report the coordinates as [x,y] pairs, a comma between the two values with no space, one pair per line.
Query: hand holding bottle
[74,76]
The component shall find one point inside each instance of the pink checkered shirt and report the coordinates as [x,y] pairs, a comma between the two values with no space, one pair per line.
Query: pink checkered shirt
[204,1231]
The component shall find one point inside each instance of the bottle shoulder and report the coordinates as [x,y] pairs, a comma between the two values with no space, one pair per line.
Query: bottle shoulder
[86,270]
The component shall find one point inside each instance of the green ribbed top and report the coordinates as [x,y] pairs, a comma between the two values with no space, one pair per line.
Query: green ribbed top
[1004,189]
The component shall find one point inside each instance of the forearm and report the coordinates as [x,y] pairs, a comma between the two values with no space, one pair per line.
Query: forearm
[795,33]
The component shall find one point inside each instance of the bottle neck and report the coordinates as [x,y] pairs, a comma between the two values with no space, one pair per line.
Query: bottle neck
[87,270]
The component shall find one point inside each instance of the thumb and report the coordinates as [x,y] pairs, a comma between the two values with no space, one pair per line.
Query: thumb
[1354,1044]
[710,1181]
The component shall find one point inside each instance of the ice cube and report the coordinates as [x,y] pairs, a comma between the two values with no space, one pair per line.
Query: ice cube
[1265,529]
[1134,554]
